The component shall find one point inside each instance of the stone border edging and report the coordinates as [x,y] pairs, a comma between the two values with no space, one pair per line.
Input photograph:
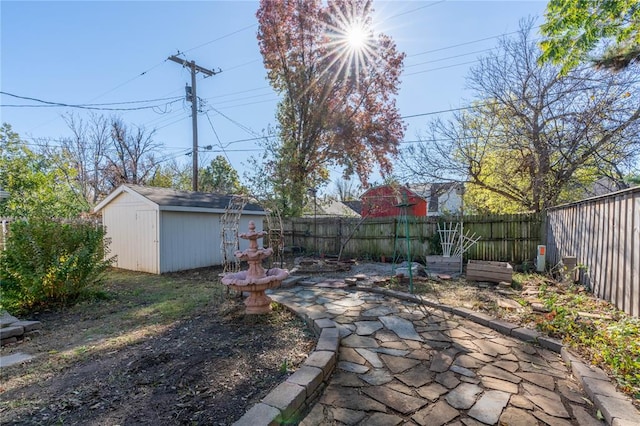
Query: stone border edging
[290,398]
[293,396]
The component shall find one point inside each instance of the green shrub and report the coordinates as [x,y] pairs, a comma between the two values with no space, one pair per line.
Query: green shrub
[48,264]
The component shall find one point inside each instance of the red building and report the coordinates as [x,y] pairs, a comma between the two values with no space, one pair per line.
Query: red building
[387,200]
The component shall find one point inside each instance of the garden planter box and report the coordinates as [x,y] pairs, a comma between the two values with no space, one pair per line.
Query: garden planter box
[480,270]
[442,265]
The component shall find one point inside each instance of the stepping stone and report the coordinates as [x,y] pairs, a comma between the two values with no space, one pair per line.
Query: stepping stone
[489,407]
[462,371]
[551,406]
[510,366]
[518,417]
[498,373]
[397,400]
[437,414]
[379,311]
[432,392]
[355,341]
[385,335]
[539,379]
[391,351]
[382,419]
[347,416]
[435,336]
[398,364]
[448,380]
[402,327]
[349,302]
[366,328]
[463,396]
[352,367]
[332,284]
[372,357]
[338,396]
[550,420]
[377,377]
[416,377]
[14,358]
[467,361]
[490,348]
[520,401]
[6,319]
[497,384]
[342,378]
[442,360]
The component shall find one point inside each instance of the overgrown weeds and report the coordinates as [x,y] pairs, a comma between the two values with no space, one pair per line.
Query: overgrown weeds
[604,335]
[50,264]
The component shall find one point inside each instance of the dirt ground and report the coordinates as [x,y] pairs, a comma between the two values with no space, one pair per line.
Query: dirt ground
[208,369]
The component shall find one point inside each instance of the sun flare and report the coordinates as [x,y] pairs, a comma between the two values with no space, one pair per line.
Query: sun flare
[356,36]
[351,45]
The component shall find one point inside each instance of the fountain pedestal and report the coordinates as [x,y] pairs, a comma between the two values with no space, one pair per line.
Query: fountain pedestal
[255,280]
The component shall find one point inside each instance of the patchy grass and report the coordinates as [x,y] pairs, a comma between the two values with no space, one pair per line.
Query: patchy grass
[134,306]
[176,346]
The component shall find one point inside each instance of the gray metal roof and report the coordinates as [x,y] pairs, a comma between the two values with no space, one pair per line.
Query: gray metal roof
[172,197]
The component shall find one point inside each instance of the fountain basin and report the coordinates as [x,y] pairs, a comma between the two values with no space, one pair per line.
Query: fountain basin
[244,278]
[257,302]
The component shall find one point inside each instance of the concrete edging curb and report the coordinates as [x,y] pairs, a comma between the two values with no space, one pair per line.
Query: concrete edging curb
[293,396]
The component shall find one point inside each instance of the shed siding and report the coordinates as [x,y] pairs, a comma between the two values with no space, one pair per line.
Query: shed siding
[189,241]
[132,228]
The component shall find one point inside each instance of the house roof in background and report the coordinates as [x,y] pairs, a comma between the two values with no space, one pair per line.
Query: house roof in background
[173,199]
[355,205]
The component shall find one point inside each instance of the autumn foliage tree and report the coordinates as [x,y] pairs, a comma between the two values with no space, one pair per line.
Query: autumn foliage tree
[338,80]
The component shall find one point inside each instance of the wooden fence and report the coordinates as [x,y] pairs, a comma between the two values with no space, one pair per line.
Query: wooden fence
[510,238]
[603,233]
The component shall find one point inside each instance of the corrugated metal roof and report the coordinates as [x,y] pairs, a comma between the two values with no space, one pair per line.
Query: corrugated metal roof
[172,197]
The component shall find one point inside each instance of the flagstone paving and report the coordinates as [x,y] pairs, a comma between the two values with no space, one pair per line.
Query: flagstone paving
[402,362]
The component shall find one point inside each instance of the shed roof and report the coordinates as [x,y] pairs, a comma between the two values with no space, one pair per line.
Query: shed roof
[172,199]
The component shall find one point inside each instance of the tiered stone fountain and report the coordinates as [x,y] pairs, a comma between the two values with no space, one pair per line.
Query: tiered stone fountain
[255,281]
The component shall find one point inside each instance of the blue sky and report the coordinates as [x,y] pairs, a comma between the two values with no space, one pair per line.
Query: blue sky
[93,52]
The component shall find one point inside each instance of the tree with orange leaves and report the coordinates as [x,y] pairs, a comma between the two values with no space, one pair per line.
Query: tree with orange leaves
[337,79]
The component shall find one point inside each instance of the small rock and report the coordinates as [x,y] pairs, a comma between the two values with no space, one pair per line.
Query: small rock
[350,281]
[539,307]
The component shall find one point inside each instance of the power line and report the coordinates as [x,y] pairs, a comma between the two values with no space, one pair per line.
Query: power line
[462,44]
[129,81]
[448,57]
[417,8]
[241,126]
[442,68]
[83,106]
[221,37]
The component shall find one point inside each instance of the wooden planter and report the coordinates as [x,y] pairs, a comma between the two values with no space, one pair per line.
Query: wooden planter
[480,270]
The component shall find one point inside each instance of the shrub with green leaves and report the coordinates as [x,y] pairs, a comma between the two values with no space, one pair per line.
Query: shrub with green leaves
[50,264]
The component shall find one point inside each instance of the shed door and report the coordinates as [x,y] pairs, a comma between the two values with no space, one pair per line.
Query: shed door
[146,241]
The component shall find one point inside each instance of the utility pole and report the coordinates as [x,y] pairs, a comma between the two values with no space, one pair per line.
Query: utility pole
[194,107]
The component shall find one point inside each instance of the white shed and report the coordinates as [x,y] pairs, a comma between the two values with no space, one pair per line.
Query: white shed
[161,230]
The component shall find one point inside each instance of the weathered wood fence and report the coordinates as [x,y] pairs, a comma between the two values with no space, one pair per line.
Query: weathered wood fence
[603,233]
[509,238]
